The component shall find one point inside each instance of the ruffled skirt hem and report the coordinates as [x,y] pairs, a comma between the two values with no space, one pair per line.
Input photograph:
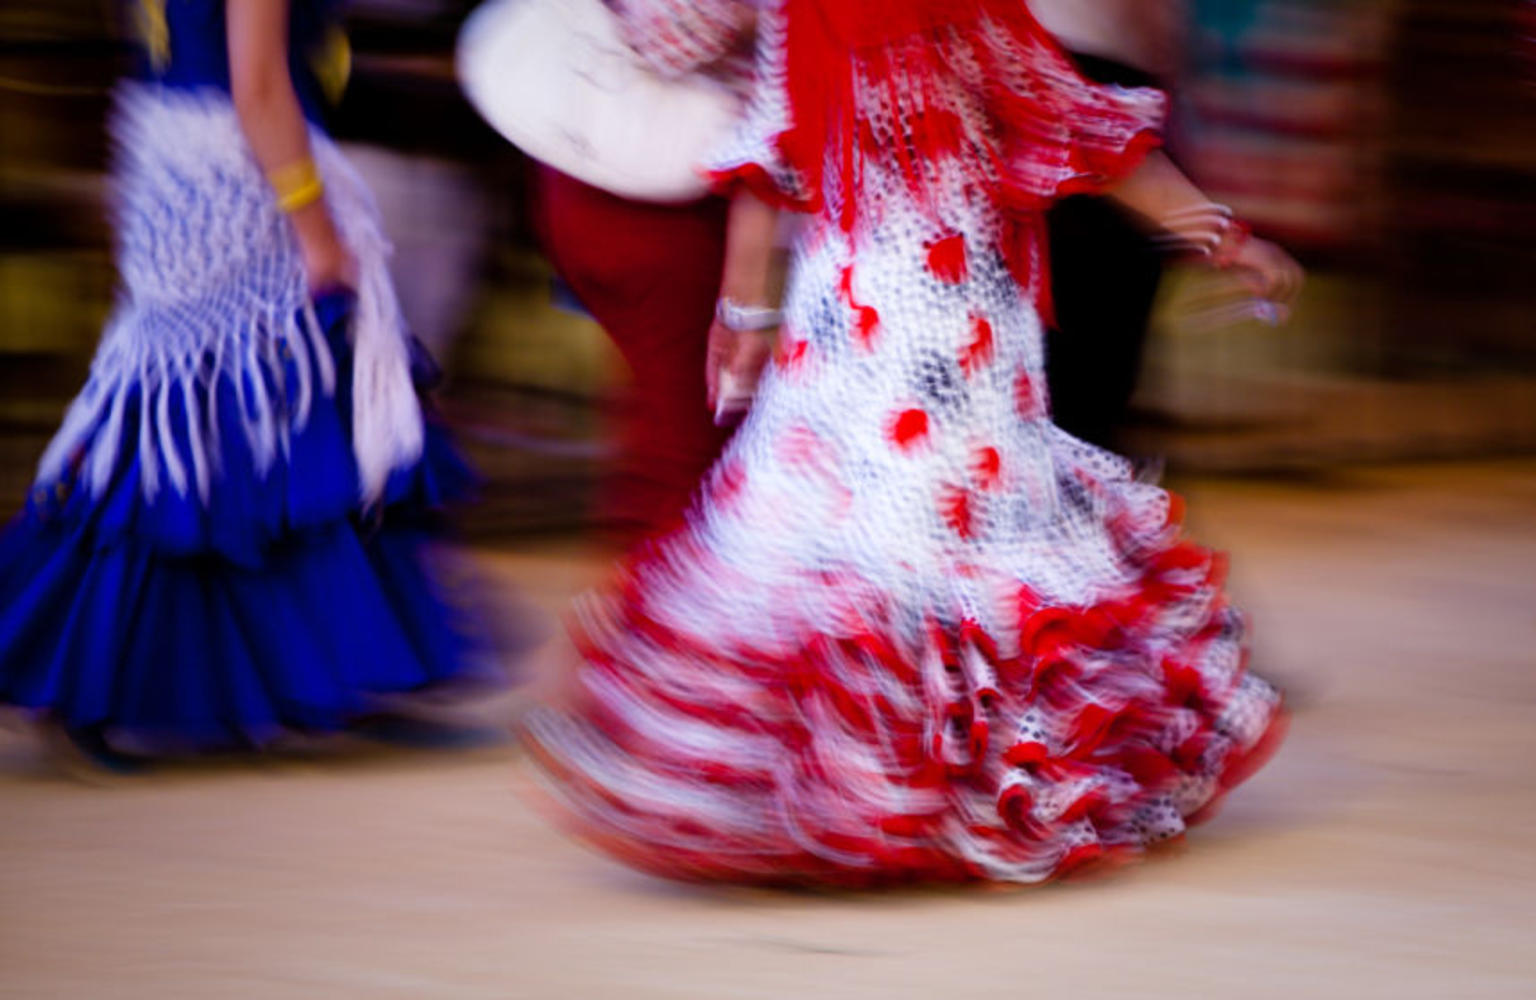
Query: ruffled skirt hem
[1017,750]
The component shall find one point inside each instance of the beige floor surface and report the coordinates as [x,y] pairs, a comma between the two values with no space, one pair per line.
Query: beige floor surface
[1387,852]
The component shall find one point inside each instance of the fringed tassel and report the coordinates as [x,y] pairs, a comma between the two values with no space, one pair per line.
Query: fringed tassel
[236,312]
[179,445]
[387,428]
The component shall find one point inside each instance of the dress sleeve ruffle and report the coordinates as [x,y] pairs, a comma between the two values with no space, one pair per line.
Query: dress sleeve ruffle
[1026,119]
[1067,135]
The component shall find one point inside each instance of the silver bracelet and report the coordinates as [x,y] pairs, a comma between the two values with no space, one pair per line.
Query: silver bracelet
[1200,227]
[746,319]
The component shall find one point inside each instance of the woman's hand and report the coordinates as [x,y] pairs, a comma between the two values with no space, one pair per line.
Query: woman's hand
[737,352]
[328,264]
[1159,192]
[1267,271]
[734,363]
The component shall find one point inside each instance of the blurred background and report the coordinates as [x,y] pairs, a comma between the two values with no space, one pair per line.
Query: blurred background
[1388,142]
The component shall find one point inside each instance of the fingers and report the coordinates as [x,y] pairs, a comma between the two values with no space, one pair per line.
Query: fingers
[735,364]
[1268,272]
[1255,282]
[750,356]
[1293,278]
[735,399]
[1283,274]
[735,382]
[717,354]
[328,274]
[1268,279]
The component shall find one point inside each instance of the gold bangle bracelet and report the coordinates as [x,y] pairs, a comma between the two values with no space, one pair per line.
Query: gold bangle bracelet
[297,185]
[301,197]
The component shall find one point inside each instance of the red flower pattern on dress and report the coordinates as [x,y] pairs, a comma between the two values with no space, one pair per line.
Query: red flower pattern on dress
[987,468]
[908,428]
[728,482]
[980,350]
[957,507]
[1026,397]
[791,352]
[946,259]
[803,448]
[866,324]
[866,318]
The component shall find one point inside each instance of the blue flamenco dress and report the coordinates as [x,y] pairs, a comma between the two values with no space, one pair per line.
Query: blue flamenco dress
[226,540]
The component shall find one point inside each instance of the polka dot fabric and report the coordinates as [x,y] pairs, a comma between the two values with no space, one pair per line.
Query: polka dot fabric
[912,630]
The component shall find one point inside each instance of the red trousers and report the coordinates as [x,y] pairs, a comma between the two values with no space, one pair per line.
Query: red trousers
[649,274]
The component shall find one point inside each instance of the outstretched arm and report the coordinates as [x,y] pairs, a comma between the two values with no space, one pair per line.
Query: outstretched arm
[274,127]
[1158,191]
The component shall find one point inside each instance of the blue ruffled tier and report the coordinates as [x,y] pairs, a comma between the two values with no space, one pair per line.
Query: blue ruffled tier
[273,605]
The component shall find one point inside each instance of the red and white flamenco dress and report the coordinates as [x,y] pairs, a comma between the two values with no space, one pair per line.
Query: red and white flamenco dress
[912,630]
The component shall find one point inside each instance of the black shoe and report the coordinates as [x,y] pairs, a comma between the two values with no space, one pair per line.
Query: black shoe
[424,734]
[89,743]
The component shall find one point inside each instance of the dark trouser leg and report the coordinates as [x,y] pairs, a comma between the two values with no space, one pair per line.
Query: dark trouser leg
[649,274]
[1104,277]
